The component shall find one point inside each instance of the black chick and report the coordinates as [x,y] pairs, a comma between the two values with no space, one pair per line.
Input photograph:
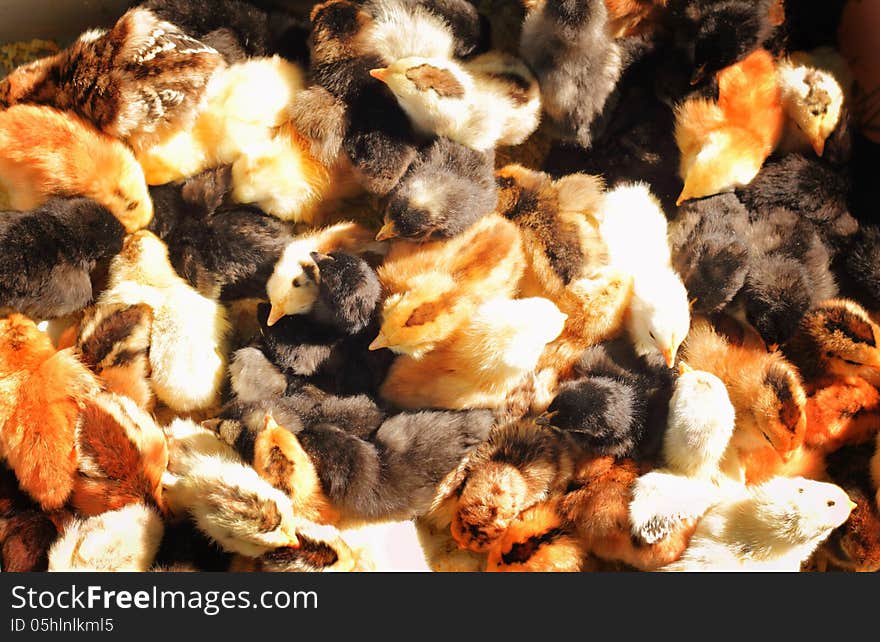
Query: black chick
[789,273]
[320,346]
[379,139]
[858,267]
[719,33]
[809,25]
[710,251]
[577,63]
[235,28]
[48,254]
[394,474]
[446,189]
[808,187]
[230,249]
[619,404]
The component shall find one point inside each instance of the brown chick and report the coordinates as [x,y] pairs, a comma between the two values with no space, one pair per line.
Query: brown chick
[836,339]
[432,288]
[121,453]
[479,364]
[767,394]
[138,81]
[567,262]
[520,465]
[25,538]
[724,143]
[42,393]
[45,153]
[114,342]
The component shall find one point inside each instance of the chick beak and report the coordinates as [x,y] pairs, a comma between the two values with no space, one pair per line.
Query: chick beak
[275,315]
[852,505]
[818,145]
[379,342]
[669,356]
[388,231]
[546,418]
[681,198]
[379,74]
[684,368]
[698,75]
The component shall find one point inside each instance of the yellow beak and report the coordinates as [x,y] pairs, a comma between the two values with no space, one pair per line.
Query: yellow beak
[684,368]
[379,342]
[274,315]
[852,505]
[379,74]
[669,356]
[818,145]
[388,231]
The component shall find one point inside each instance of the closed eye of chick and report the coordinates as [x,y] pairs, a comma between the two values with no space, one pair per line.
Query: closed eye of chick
[45,153]
[139,81]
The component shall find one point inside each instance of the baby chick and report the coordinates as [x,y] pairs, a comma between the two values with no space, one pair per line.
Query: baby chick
[766,392]
[568,47]
[227,500]
[121,455]
[490,100]
[43,395]
[292,287]
[773,526]
[659,314]
[25,538]
[126,539]
[617,402]
[433,287]
[139,81]
[710,250]
[444,191]
[231,248]
[37,281]
[521,464]
[320,549]
[114,342]
[722,33]
[480,363]
[724,143]
[188,333]
[45,153]
[835,339]
[701,423]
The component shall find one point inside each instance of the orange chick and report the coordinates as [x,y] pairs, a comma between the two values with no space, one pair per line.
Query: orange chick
[42,393]
[723,144]
[45,153]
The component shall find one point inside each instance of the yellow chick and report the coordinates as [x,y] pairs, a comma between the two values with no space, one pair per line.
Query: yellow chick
[492,99]
[188,336]
[478,365]
[774,526]
[432,288]
[634,229]
[45,153]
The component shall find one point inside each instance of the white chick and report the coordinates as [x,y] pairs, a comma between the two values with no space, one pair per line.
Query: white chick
[492,100]
[700,425]
[188,338]
[813,97]
[774,526]
[634,228]
[293,286]
[400,29]
[228,500]
[126,539]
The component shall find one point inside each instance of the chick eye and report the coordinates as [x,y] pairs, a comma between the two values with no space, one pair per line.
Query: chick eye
[801,491]
[296,283]
[653,338]
[830,503]
[852,363]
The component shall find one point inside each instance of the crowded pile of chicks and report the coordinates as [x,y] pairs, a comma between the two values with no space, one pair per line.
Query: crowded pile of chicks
[271,301]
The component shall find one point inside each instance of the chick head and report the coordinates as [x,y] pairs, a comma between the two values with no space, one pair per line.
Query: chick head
[700,424]
[413,322]
[659,314]
[21,343]
[777,410]
[800,510]
[725,36]
[122,186]
[519,328]
[144,258]
[841,338]
[728,159]
[813,99]
[431,91]
[293,286]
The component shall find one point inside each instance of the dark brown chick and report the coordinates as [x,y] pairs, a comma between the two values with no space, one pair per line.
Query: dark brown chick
[138,81]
